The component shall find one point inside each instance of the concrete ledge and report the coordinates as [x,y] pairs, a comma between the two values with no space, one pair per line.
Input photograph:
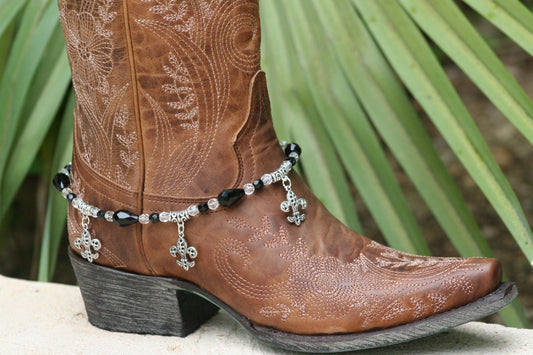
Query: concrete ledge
[45,318]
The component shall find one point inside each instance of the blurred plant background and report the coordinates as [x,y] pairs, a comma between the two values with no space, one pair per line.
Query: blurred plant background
[416,117]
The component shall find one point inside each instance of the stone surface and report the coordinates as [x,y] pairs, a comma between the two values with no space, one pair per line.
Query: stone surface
[45,318]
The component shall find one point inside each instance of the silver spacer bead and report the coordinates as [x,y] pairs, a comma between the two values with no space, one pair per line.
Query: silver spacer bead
[94,211]
[144,218]
[179,216]
[109,216]
[283,144]
[192,210]
[249,189]
[213,204]
[279,174]
[174,216]
[266,179]
[164,217]
[65,192]
[295,156]
[286,166]
[83,207]
[76,202]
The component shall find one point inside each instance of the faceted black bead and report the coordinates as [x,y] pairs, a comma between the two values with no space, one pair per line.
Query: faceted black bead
[101,214]
[258,184]
[71,197]
[291,160]
[154,218]
[125,218]
[230,196]
[293,147]
[68,167]
[61,181]
[202,207]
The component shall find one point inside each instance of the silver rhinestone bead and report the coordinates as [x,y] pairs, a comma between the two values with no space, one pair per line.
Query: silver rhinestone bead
[192,210]
[94,211]
[109,216]
[144,218]
[76,202]
[266,179]
[66,191]
[213,204]
[164,217]
[249,189]
[294,155]
[283,144]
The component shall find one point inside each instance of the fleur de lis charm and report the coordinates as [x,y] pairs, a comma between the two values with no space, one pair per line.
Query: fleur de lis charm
[87,241]
[292,203]
[182,249]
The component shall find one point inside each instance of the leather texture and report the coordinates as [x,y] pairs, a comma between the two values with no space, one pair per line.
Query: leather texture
[172,108]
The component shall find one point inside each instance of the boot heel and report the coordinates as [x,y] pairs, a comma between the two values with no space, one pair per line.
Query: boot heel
[125,302]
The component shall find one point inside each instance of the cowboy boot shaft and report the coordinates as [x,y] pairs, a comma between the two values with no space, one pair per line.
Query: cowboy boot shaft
[163,94]
[194,61]
[149,74]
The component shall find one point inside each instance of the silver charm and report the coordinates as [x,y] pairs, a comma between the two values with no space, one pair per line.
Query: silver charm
[292,203]
[87,241]
[181,248]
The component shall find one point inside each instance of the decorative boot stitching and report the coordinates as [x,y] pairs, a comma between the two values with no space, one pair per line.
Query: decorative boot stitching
[103,116]
[323,287]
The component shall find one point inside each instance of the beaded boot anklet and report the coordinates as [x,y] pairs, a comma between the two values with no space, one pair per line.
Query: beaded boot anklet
[181,249]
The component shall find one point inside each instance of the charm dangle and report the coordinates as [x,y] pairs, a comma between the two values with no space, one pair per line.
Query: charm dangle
[181,248]
[292,203]
[87,241]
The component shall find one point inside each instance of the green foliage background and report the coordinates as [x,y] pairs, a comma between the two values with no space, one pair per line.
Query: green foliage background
[340,73]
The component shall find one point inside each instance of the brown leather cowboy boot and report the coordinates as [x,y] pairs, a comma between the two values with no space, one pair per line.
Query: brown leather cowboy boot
[183,202]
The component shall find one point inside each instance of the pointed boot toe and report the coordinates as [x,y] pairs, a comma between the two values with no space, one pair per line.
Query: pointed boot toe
[487,275]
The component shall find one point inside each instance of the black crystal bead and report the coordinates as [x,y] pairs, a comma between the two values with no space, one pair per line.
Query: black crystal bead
[258,184]
[101,214]
[202,207]
[291,160]
[125,218]
[68,167]
[71,197]
[61,181]
[154,217]
[293,147]
[230,196]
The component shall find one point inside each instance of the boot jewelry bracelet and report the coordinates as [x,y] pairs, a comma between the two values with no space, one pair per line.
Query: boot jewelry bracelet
[181,250]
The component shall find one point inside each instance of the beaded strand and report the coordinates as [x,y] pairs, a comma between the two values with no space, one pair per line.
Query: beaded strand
[226,198]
